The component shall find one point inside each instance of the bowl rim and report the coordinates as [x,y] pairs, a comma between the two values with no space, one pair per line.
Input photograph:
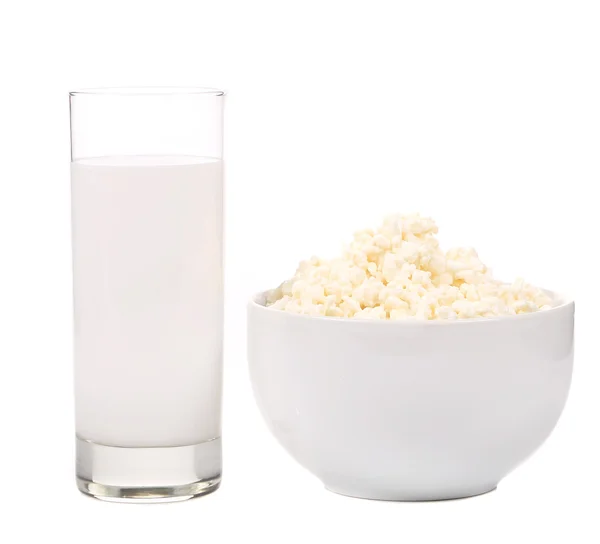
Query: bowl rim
[562,302]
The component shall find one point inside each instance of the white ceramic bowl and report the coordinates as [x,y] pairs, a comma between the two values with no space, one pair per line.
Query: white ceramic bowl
[408,410]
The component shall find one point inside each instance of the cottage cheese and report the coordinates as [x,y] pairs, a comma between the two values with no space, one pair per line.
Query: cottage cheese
[400,272]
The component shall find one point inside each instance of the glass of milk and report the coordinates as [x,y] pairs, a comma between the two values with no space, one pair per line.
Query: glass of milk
[147,215]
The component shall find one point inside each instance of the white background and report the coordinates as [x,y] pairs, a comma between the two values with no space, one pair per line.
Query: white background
[484,114]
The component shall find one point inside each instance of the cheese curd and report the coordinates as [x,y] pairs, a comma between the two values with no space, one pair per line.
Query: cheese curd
[400,272]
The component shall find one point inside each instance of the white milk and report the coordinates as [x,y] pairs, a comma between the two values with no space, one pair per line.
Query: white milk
[148,288]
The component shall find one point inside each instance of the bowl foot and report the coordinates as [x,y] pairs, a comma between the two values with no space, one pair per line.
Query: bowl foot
[412,496]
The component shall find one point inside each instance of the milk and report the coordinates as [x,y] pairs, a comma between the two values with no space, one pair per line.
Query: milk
[148,290]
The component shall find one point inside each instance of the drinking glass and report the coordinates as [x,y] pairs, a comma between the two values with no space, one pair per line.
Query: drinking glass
[147,217]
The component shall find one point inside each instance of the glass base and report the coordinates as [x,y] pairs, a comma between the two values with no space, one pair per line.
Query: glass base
[159,474]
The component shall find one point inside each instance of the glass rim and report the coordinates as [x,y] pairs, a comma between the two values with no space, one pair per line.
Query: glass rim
[147,91]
